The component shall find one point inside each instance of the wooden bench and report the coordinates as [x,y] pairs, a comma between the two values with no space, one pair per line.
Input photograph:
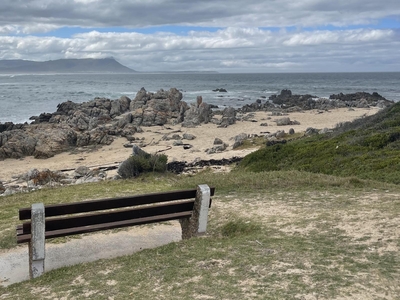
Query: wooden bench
[190,207]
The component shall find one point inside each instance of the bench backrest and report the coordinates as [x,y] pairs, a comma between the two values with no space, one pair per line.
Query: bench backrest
[94,215]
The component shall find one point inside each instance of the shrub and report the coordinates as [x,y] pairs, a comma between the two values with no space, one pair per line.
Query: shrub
[142,163]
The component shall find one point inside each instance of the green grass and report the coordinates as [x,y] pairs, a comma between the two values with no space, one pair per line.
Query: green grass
[271,235]
[368,148]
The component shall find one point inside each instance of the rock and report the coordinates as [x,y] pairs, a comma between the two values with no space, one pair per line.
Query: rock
[324,130]
[228,117]
[220,90]
[275,142]
[188,136]
[136,150]
[218,141]
[89,179]
[176,137]
[199,100]
[239,139]
[291,131]
[217,148]
[285,121]
[280,134]
[81,171]
[197,114]
[163,107]
[177,143]
[311,131]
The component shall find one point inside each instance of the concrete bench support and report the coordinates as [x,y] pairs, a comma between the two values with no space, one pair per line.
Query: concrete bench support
[37,244]
[197,223]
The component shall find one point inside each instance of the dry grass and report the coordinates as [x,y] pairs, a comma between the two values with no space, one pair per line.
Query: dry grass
[272,239]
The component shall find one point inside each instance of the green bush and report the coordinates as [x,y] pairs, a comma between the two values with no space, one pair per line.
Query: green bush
[367,148]
[142,163]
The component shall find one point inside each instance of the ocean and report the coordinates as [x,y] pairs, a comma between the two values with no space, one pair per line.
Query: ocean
[23,96]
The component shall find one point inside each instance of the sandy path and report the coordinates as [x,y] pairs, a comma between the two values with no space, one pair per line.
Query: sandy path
[14,265]
[205,135]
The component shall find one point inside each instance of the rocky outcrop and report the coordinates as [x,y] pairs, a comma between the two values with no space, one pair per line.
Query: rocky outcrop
[305,102]
[149,109]
[228,117]
[97,122]
[290,102]
[197,113]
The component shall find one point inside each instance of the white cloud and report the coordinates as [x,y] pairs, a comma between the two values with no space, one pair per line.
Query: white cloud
[240,43]
[230,49]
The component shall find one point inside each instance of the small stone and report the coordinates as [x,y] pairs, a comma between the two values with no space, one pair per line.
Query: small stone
[218,141]
[188,136]
[178,143]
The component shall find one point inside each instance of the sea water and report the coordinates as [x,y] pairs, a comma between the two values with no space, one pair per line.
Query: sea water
[23,96]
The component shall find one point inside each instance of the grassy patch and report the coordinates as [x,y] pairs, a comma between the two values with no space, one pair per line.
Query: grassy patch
[368,148]
[271,235]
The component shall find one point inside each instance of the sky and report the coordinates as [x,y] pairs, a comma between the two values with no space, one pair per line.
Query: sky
[268,36]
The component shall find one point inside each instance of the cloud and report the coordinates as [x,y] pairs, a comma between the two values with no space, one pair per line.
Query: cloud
[252,35]
[228,49]
[219,13]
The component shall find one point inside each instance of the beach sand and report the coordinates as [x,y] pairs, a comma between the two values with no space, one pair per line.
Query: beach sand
[152,138]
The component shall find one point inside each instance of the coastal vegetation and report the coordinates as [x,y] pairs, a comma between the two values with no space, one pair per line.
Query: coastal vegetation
[315,218]
[367,148]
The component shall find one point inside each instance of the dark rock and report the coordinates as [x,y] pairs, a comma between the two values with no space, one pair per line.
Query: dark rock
[285,121]
[178,167]
[188,136]
[275,142]
[218,141]
[220,90]
[228,117]
[311,131]
[217,148]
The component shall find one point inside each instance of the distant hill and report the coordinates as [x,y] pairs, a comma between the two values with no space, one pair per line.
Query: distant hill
[87,65]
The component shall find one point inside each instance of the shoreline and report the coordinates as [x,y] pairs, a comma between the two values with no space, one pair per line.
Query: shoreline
[152,138]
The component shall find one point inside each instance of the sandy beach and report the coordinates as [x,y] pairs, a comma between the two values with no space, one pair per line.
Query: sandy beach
[152,139]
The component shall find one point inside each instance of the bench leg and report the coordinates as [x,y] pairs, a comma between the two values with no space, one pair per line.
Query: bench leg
[197,223]
[37,243]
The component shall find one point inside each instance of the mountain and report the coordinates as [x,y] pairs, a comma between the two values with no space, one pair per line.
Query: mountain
[87,65]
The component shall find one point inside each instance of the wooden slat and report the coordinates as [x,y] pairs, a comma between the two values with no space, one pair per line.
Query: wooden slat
[90,219]
[85,229]
[111,203]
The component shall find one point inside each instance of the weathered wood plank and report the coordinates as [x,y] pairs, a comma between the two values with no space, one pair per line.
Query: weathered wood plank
[90,219]
[119,224]
[111,203]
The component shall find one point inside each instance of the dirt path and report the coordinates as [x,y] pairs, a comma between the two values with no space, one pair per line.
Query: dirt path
[14,263]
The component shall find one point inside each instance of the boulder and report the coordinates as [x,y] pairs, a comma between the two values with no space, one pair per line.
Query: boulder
[218,141]
[197,114]
[228,117]
[188,136]
[239,139]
